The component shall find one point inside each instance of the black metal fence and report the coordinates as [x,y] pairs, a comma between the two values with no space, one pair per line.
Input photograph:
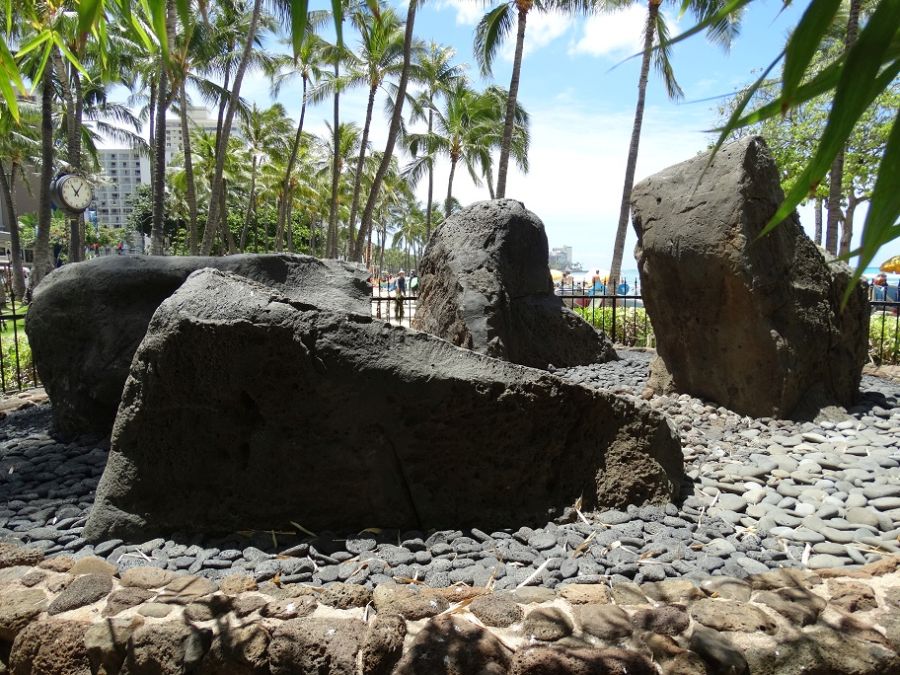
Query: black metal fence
[17,371]
[621,314]
[884,332]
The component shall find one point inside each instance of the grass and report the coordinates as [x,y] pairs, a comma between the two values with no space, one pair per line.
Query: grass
[884,339]
[633,328]
[14,348]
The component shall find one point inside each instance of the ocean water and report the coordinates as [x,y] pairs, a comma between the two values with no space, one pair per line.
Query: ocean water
[893,279]
[632,274]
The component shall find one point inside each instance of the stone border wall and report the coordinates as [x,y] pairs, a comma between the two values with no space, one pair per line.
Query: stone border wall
[68,616]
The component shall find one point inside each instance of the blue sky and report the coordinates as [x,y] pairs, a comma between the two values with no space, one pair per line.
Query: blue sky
[581,98]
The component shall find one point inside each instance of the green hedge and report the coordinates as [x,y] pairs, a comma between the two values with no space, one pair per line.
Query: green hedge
[884,339]
[8,339]
[632,328]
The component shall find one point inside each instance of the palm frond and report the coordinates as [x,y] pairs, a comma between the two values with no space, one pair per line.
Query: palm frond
[490,33]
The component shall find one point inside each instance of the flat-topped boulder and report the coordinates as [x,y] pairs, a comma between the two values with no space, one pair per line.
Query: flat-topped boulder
[87,319]
[486,286]
[754,324]
[246,409]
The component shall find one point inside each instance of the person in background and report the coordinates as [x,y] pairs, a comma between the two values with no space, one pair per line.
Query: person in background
[879,286]
[398,297]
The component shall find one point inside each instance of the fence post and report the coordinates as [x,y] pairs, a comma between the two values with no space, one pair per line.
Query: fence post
[614,303]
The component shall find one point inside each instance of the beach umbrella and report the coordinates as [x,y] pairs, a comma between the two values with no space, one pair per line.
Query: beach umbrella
[891,265]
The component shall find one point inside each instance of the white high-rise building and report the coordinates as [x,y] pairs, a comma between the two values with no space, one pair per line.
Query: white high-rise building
[124,169]
[198,118]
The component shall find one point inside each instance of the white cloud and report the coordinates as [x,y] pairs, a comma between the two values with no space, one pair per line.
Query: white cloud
[541,28]
[468,13]
[577,160]
[613,34]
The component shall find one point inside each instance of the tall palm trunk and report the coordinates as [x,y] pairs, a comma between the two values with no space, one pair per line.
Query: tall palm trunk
[282,219]
[218,185]
[449,200]
[79,118]
[847,229]
[836,176]
[290,226]
[250,204]
[331,237]
[509,122]
[393,131]
[223,104]
[817,213]
[625,208]
[292,159]
[42,260]
[430,201]
[191,189]
[18,273]
[151,123]
[157,228]
[357,179]
[73,144]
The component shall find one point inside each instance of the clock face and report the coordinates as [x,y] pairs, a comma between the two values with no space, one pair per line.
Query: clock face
[76,193]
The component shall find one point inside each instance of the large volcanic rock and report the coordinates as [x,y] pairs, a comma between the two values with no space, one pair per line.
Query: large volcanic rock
[754,324]
[245,409]
[87,319]
[485,285]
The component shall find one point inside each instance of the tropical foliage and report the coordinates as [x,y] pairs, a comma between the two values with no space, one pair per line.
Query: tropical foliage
[341,196]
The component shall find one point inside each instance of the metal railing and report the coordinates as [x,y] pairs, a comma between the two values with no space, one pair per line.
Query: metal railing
[884,332]
[17,370]
[623,318]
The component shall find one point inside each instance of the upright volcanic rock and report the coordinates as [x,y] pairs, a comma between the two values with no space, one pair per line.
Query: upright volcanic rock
[753,324]
[485,286]
[87,319]
[245,409]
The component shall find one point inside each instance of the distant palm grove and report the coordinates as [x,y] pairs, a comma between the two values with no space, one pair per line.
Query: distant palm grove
[259,180]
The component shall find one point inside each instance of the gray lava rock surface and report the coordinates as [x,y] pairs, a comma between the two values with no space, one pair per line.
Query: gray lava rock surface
[336,420]
[755,324]
[87,319]
[485,285]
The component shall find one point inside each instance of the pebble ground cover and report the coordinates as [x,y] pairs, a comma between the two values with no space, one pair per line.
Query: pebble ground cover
[763,494]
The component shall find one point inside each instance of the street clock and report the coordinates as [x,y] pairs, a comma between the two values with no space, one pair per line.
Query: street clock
[72,192]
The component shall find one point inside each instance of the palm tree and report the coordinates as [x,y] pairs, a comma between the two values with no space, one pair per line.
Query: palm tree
[163,98]
[655,29]
[306,64]
[18,143]
[836,175]
[218,188]
[43,263]
[465,130]
[435,71]
[380,55]
[393,133]
[490,33]
[265,134]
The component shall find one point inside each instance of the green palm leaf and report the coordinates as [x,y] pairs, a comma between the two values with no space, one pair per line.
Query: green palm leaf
[881,221]
[804,41]
[490,33]
[859,84]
